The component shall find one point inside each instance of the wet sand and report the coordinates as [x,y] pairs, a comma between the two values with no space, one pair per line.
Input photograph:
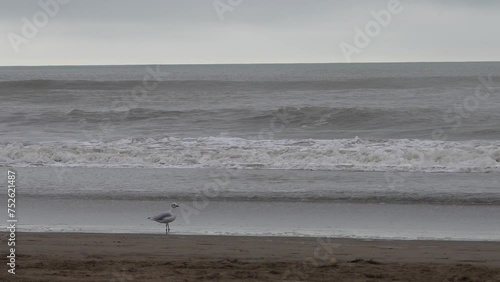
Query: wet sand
[135,257]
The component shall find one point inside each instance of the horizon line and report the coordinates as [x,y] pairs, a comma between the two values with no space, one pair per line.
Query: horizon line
[277,63]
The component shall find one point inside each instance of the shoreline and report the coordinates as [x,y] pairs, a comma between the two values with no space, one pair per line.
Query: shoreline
[277,236]
[149,257]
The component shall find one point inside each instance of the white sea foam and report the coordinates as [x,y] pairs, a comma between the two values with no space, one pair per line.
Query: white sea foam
[222,152]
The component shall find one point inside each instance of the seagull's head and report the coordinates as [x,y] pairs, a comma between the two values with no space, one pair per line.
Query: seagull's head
[174,205]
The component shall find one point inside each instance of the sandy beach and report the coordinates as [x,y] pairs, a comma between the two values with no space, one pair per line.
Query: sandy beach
[134,257]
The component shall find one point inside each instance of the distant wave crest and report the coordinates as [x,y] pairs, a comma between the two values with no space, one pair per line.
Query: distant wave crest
[295,84]
[285,116]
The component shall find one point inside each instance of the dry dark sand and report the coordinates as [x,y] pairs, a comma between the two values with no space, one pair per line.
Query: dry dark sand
[127,257]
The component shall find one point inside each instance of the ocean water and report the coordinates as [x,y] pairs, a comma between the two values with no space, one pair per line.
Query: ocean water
[331,141]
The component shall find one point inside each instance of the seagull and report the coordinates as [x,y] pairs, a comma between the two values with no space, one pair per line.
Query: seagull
[166,217]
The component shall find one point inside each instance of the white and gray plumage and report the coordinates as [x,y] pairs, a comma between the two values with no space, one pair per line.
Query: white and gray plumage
[166,217]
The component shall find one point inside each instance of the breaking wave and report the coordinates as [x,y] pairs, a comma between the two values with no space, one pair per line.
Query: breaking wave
[224,152]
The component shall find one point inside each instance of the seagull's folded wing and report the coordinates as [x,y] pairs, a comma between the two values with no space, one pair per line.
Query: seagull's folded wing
[163,215]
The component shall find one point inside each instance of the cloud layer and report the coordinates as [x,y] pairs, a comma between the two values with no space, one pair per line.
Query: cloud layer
[244,31]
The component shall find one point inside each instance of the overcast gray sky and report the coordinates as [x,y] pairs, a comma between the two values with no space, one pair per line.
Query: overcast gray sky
[255,31]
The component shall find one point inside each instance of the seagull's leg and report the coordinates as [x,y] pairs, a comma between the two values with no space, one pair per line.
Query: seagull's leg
[166,228]
[168,225]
